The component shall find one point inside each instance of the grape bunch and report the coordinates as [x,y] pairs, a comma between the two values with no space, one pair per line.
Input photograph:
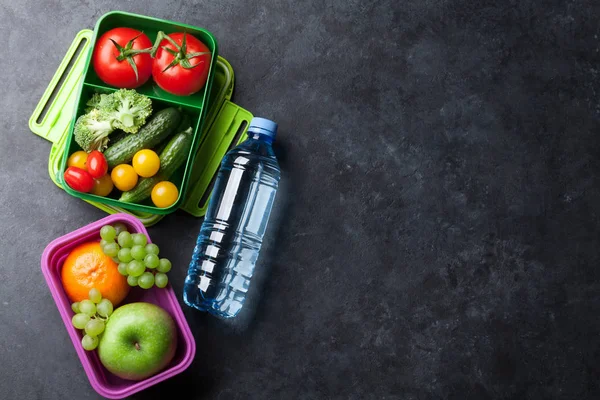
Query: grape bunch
[138,260]
[91,315]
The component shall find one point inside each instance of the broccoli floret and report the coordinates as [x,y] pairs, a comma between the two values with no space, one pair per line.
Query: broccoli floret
[98,101]
[92,130]
[125,108]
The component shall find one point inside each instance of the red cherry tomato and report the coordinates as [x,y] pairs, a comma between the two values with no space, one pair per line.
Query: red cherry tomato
[113,62]
[186,75]
[78,179]
[96,164]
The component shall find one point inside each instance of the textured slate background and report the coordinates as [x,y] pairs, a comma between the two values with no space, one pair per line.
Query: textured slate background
[436,234]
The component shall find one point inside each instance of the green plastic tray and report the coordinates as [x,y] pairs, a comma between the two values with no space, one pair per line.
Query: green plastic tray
[224,126]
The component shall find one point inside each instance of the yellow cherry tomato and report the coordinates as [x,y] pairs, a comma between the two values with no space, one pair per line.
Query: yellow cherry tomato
[146,163]
[102,186]
[164,194]
[78,160]
[124,177]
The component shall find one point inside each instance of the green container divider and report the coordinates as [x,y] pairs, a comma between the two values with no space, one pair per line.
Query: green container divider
[53,115]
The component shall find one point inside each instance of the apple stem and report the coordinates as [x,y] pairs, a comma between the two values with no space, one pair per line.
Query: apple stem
[137,346]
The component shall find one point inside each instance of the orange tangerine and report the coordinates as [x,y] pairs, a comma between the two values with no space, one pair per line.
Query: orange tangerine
[87,267]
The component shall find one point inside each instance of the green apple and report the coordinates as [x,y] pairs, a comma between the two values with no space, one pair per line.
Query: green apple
[139,340]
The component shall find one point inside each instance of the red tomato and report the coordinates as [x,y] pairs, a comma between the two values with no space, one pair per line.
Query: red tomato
[96,164]
[183,69]
[120,63]
[78,179]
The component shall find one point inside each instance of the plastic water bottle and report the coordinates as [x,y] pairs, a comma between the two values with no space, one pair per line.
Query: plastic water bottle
[231,235]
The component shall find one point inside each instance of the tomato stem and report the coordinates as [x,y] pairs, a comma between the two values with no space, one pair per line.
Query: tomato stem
[127,52]
[180,54]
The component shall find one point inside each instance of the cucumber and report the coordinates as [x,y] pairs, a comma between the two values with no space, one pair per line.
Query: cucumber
[183,125]
[171,158]
[161,125]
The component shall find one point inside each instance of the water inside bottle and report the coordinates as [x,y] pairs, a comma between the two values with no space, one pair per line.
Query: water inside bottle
[230,239]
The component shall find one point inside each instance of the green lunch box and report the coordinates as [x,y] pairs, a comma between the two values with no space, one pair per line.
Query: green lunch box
[219,124]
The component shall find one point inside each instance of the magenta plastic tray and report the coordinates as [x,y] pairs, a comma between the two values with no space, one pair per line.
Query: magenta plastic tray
[104,382]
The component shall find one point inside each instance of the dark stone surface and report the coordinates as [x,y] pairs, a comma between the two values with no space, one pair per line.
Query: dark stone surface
[436,234]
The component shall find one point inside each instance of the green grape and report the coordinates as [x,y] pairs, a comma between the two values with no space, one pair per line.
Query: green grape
[75,307]
[111,249]
[146,280]
[80,320]
[132,280]
[94,327]
[125,239]
[105,308]
[104,243]
[125,254]
[151,261]
[164,265]
[108,233]
[95,295]
[138,252]
[119,227]
[122,269]
[161,280]
[151,248]
[139,238]
[87,307]
[116,259]
[89,343]
[136,268]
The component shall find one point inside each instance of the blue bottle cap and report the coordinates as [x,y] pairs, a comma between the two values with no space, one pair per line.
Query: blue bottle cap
[263,126]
